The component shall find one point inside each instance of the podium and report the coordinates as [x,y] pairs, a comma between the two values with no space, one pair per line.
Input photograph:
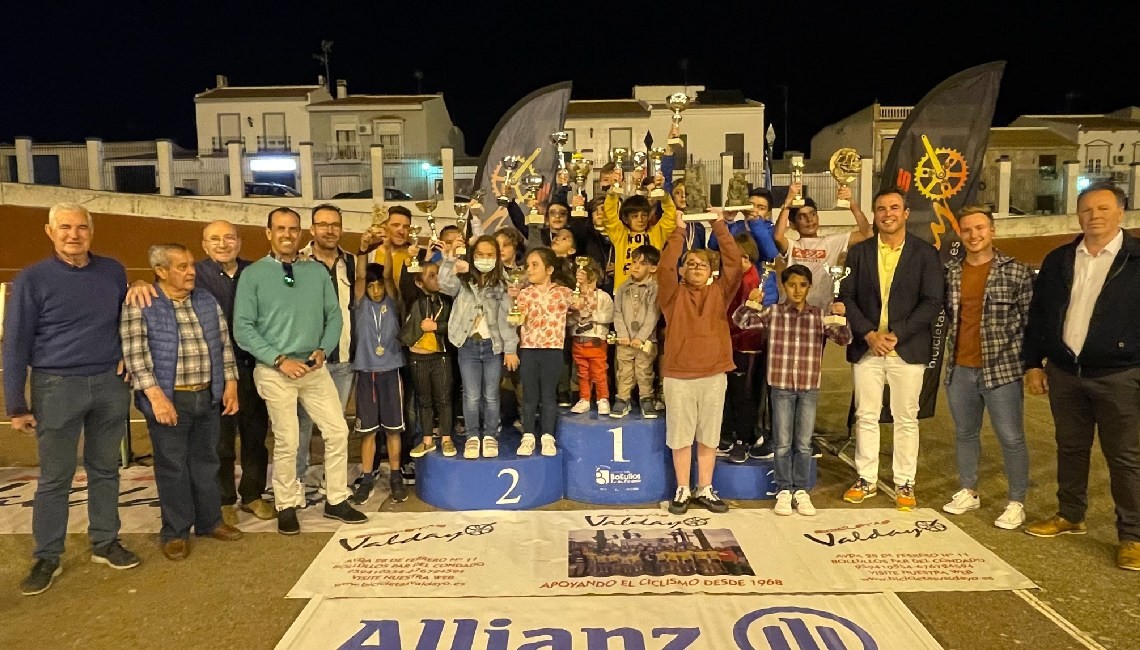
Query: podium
[508,482]
[751,480]
[614,461]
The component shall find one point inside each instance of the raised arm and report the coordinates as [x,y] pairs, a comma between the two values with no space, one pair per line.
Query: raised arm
[667,282]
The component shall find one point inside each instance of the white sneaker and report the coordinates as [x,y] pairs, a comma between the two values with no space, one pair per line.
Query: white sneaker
[471,448]
[490,447]
[526,447]
[548,448]
[804,505]
[783,503]
[962,502]
[582,406]
[1012,518]
[603,407]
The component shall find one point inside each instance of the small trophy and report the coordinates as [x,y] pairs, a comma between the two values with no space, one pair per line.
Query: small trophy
[463,210]
[639,159]
[429,207]
[581,262]
[531,183]
[769,267]
[559,140]
[677,102]
[379,218]
[580,169]
[618,156]
[798,177]
[515,315]
[655,156]
[510,166]
[837,273]
[414,236]
[611,338]
[845,167]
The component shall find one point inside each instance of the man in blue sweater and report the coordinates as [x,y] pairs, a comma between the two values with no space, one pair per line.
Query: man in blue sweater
[63,323]
[286,315]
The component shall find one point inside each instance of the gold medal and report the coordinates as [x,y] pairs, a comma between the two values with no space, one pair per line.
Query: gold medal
[379,350]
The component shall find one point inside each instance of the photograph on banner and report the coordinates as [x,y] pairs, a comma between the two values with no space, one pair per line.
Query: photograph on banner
[679,552]
[458,554]
[848,622]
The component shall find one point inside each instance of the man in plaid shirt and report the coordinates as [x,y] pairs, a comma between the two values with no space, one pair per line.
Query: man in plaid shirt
[987,308]
[796,333]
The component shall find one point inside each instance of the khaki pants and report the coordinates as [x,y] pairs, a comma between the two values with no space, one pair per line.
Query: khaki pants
[317,394]
[631,363]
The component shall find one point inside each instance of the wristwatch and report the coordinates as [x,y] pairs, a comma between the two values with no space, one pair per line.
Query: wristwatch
[279,360]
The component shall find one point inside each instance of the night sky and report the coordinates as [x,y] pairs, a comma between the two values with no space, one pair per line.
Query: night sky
[126,70]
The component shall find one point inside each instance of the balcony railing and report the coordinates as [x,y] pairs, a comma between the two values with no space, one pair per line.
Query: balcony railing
[274,143]
[894,112]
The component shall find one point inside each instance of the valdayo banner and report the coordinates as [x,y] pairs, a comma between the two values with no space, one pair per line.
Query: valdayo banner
[851,622]
[456,554]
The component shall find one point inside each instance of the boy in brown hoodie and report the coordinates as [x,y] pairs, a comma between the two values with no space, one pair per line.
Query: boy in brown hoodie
[698,353]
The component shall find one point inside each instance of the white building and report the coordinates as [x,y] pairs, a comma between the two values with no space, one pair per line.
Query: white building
[1108,143]
[262,118]
[870,131]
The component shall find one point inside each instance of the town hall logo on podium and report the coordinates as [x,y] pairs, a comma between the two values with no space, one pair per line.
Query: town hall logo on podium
[605,475]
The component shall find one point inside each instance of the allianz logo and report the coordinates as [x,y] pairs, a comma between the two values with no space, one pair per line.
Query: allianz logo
[603,475]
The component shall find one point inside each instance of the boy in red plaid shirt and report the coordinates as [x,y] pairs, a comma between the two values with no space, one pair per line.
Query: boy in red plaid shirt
[796,333]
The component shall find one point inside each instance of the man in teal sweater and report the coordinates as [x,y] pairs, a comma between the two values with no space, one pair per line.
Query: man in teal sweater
[286,315]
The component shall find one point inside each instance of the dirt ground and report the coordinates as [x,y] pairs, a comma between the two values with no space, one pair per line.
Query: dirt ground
[232,595]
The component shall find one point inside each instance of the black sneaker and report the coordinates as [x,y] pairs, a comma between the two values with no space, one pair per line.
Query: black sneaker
[115,556]
[680,503]
[762,450]
[362,490]
[287,522]
[399,490]
[816,452]
[620,408]
[564,400]
[708,499]
[408,471]
[724,447]
[649,409]
[40,579]
[739,452]
[344,512]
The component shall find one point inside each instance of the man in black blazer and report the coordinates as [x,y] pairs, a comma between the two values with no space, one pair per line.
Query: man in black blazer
[891,346]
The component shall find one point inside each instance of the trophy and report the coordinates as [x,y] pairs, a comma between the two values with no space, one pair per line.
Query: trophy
[845,166]
[429,207]
[582,262]
[510,166]
[639,158]
[837,273]
[559,139]
[769,267]
[798,177]
[655,156]
[464,211]
[531,183]
[677,102]
[414,237]
[611,338]
[515,315]
[618,156]
[580,169]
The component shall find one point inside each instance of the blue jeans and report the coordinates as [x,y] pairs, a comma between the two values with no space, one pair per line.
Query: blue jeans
[480,369]
[186,466]
[97,406]
[967,397]
[342,378]
[793,422]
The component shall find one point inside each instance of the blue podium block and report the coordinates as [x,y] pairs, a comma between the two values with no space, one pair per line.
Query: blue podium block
[612,461]
[751,480]
[508,482]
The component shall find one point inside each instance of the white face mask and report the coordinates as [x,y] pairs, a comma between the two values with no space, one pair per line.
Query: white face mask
[485,265]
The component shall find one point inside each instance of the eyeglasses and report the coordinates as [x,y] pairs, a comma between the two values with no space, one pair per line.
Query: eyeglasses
[289,279]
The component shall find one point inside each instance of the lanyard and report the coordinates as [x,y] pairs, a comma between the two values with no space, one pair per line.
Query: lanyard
[378,320]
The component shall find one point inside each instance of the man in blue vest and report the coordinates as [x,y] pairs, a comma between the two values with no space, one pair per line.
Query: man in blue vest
[63,324]
[182,365]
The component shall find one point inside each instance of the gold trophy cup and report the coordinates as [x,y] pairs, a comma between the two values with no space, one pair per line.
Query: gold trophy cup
[464,212]
[837,273]
[655,156]
[414,237]
[559,140]
[639,160]
[515,315]
[677,103]
[510,167]
[845,166]
[531,183]
[581,262]
[429,207]
[580,169]
[798,177]
[769,267]
[618,156]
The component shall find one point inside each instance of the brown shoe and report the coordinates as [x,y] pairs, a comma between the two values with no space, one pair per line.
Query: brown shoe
[1056,525]
[230,515]
[226,533]
[260,508]
[176,549]
[1128,556]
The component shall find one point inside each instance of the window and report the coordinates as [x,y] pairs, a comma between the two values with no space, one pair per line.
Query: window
[346,147]
[274,130]
[1093,166]
[734,144]
[1047,166]
[389,134]
[621,139]
[229,129]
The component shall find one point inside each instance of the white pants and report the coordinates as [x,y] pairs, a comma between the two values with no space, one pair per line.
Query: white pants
[317,393]
[905,379]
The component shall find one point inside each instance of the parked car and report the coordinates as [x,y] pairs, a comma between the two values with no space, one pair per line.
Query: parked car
[390,194]
[184,191]
[270,189]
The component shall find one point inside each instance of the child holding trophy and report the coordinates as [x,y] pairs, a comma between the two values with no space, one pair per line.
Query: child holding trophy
[593,313]
[796,333]
[631,228]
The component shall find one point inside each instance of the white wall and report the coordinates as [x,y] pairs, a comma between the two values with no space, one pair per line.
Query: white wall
[855,131]
[1120,143]
[296,119]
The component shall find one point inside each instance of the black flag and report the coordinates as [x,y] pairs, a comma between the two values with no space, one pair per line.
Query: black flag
[936,161]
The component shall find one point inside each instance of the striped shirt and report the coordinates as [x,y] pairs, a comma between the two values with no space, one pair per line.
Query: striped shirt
[795,342]
[193,355]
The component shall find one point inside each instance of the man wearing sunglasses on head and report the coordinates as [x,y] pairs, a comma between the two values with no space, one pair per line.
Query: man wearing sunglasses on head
[286,315]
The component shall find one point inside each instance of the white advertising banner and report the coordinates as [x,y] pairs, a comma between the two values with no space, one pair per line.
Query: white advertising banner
[457,554]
